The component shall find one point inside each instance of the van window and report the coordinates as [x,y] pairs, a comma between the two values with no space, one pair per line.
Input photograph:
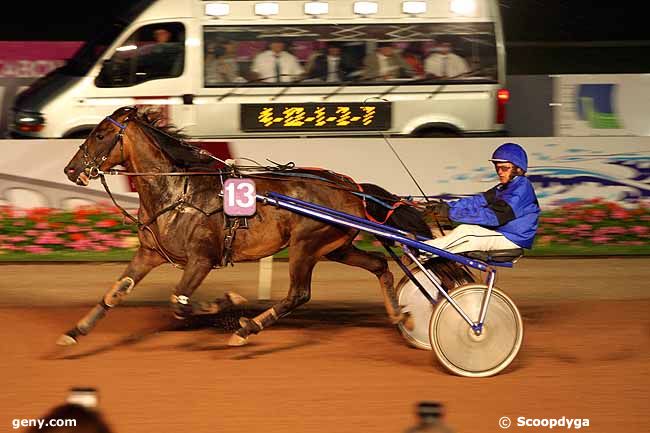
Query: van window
[152,52]
[355,54]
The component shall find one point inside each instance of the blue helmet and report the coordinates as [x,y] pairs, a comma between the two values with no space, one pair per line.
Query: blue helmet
[511,152]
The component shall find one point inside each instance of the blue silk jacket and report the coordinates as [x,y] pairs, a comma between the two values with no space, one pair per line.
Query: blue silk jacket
[511,209]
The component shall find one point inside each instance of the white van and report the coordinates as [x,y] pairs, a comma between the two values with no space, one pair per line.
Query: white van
[285,68]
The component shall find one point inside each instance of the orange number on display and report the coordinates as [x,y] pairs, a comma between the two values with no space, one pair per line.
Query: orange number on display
[265,116]
[369,115]
[294,116]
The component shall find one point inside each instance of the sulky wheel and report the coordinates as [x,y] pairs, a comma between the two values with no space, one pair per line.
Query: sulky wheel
[459,349]
[413,301]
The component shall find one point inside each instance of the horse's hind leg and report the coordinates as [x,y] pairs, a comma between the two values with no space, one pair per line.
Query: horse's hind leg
[378,265]
[141,264]
[302,260]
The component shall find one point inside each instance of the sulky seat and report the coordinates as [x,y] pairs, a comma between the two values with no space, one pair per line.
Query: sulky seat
[496,256]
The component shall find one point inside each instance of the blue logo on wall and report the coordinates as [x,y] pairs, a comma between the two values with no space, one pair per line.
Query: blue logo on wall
[594,104]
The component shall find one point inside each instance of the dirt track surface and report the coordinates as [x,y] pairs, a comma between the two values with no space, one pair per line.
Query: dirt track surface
[334,365]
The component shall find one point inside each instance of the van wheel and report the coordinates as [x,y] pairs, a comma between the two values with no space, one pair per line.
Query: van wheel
[79,134]
[437,133]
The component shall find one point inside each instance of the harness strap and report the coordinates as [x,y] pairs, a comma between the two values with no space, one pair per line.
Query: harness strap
[231,231]
[390,208]
[145,226]
[373,198]
[116,123]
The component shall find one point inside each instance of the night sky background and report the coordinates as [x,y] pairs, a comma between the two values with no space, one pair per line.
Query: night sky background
[542,36]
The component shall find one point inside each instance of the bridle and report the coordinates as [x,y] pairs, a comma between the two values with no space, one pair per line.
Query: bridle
[92,163]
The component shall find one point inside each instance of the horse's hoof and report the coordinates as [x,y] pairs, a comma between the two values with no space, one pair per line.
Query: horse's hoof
[406,260]
[236,340]
[236,299]
[66,340]
[407,322]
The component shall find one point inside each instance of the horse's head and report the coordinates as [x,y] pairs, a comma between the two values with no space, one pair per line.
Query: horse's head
[102,149]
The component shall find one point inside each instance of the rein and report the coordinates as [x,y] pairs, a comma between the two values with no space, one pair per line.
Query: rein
[182,202]
[115,172]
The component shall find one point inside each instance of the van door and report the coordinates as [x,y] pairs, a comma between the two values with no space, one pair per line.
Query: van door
[149,68]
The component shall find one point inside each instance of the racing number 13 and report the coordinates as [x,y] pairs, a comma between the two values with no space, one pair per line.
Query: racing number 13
[239,197]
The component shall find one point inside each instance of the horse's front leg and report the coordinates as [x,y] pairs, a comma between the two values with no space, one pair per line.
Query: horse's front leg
[193,275]
[141,264]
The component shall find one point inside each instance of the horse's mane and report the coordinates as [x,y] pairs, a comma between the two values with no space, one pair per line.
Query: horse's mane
[171,141]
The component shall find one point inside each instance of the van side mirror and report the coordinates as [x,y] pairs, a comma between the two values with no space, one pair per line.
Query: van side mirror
[115,73]
[104,77]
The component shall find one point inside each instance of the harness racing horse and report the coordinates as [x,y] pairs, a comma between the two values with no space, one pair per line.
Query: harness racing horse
[181,220]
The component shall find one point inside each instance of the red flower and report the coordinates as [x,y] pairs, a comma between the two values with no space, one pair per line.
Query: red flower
[77,236]
[107,223]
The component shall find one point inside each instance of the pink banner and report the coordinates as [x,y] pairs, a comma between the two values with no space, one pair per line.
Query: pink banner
[33,59]
[38,50]
[27,68]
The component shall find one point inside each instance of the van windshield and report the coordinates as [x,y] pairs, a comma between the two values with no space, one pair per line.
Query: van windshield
[91,51]
[94,48]
[349,53]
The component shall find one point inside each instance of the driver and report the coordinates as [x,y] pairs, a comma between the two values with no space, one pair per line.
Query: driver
[501,218]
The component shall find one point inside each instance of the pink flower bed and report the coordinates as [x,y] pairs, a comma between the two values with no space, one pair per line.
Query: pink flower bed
[101,228]
[595,222]
[44,230]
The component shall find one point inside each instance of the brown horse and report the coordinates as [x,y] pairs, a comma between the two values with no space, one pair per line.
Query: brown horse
[181,220]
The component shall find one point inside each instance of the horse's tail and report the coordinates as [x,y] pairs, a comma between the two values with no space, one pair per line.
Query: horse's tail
[405,217]
[452,274]
[393,212]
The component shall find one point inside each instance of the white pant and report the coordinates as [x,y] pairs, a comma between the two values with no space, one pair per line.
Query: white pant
[468,237]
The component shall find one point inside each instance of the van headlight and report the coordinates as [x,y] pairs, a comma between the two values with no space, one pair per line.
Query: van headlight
[25,121]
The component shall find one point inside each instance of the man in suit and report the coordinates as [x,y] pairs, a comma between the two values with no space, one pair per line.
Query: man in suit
[385,64]
[444,63]
[276,65]
[330,66]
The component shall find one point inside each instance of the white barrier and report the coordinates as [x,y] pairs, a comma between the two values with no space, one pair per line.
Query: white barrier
[562,168]
[31,175]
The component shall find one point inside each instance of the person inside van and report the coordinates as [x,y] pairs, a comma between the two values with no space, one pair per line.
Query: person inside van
[276,65]
[412,54]
[162,36]
[221,65]
[163,58]
[385,64]
[330,65]
[444,63]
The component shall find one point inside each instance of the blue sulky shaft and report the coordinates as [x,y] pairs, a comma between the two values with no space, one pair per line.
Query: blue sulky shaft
[344,215]
[326,214]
